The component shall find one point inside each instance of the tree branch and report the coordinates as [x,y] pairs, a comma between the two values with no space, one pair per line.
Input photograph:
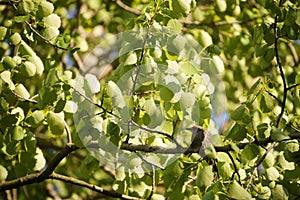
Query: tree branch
[293,86]
[127,8]
[294,54]
[42,175]
[181,150]
[220,23]
[38,34]
[285,90]
[92,187]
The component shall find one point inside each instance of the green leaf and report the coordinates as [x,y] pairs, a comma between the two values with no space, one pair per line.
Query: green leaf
[70,107]
[236,132]
[15,38]
[22,91]
[218,64]
[28,69]
[268,161]
[187,100]
[45,8]
[3,31]
[224,170]
[250,152]
[36,118]
[120,174]
[221,5]
[278,135]
[59,105]
[165,93]
[25,50]
[8,62]
[236,191]
[18,133]
[266,102]
[26,6]
[3,173]
[21,18]
[272,173]
[52,20]
[181,6]
[113,130]
[63,40]
[240,113]
[175,26]
[188,68]
[115,93]
[210,152]
[50,32]
[40,160]
[92,83]
[6,77]
[292,146]
[205,38]
[279,193]
[175,44]
[56,123]
[285,164]
[52,77]
[263,192]
[259,33]
[205,176]
[209,196]
[254,91]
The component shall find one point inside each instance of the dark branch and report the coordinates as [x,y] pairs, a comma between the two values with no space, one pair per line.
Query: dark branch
[293,86]
[294,54]
[220,23]
[127,8]
[42,175]
[276,98]
[92,187]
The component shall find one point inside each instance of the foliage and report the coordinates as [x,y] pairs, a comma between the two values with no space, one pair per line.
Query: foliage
[97,96]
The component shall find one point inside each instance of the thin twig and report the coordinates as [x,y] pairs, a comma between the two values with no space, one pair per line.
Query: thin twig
[276,98]
[25,99]
[92,187]
[219,23]
[153,183]
[155,131]
[127,8]
[43,38]
[148,162]
[68,132]
[38,34]
[293,86]
[281,73]
[294,54]
[42,175]
[285,90]
[235,168]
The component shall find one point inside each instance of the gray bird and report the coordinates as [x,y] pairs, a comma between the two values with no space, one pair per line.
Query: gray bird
[200,138]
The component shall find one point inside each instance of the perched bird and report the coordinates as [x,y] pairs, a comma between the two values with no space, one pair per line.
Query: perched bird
[200,138]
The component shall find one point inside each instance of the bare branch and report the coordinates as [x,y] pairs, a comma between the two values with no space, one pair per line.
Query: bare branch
[220,23]
[68,132]
[92,187]
[39,35]
[293,86]
[294,54]
[42,175]
[25,99]
[127,8]
[276,98]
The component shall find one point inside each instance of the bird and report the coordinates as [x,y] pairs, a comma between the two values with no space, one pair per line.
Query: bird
[200,137]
